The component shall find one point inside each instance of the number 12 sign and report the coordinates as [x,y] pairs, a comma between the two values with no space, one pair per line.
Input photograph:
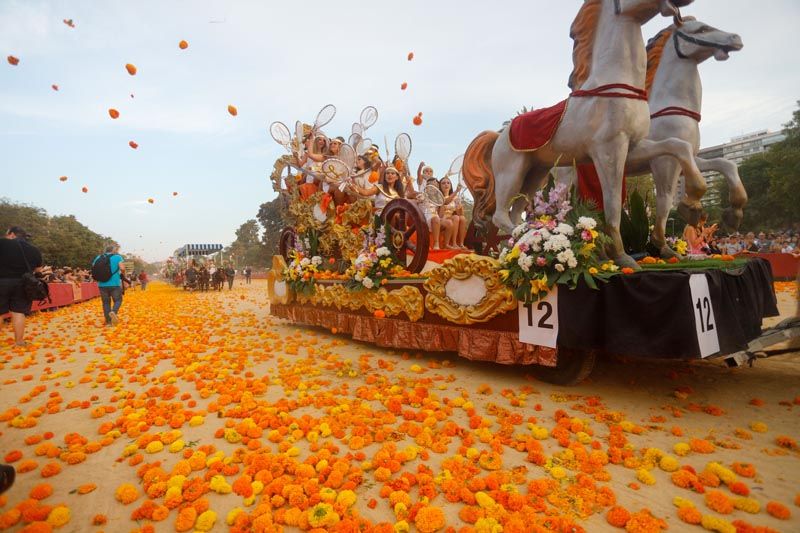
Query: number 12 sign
[538,321]
[705,324]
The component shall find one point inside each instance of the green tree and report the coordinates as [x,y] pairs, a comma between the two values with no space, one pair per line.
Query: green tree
[247,249]
[269,215]
[63,240]
[772,181]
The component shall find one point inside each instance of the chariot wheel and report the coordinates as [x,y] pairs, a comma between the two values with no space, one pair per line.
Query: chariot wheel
[405,220]
[572,367]
[286,243]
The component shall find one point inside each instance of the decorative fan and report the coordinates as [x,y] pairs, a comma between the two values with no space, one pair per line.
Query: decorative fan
[281,134]
[433,195]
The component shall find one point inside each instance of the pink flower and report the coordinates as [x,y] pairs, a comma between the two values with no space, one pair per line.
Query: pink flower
[541,261]
[523,247]
[586,235]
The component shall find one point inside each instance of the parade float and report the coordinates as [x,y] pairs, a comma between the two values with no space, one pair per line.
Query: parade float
[553,285]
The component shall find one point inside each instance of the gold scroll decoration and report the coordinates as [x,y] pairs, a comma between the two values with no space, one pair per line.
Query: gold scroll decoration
[406,300]
[276,275]
[497,300]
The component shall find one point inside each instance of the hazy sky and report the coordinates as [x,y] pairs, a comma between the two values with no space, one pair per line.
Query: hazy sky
[475,65]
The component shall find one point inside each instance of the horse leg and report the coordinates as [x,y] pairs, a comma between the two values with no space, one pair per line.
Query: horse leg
[510,169]
[737,195]
[665,174]
[609,160]
[532,183]
[689,207]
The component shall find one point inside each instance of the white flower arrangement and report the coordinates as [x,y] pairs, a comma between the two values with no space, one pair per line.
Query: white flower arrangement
[555,245]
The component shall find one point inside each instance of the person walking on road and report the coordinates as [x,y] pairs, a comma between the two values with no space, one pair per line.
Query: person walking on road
[108,269]
[230,273]
[248,274]
[143,279]
[17,257]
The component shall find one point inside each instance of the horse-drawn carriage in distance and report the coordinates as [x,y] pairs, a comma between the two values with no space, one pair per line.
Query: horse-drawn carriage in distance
[185,271]
[554,284]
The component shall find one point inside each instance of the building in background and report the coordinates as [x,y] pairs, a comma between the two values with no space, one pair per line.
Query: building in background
[737,150]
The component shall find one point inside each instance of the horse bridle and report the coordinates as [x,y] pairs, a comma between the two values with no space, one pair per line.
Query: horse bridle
[678,34]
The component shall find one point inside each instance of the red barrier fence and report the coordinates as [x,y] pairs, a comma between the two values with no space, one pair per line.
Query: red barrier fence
[784,266]
[62,294]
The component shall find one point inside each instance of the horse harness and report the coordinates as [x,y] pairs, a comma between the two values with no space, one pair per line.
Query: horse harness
[678,34]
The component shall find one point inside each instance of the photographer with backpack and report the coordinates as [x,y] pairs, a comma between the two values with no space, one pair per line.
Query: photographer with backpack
[107,271]
[18,261]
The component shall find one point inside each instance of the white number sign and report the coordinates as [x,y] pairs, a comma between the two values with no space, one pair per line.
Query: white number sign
[705,324]
[538,321]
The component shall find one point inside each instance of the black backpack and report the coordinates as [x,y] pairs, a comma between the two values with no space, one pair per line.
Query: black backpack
[101,269]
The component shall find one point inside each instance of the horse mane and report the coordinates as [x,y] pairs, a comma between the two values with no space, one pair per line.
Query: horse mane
[583,31]
[655,49]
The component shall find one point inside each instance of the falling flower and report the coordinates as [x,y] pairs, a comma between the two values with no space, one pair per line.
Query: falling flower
[403,86]
[113,113]
[417,119]
[84,189]
[183,45]
[174,194]
[54,87]
[232,110]
[410,56]
[133,144]
[131,68]
[150,201]
[13,60]
[69,23]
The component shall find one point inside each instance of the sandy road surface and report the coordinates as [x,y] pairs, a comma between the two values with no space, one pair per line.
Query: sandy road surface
[297,426]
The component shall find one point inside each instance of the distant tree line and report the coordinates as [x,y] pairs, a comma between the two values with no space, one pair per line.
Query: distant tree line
[63,241]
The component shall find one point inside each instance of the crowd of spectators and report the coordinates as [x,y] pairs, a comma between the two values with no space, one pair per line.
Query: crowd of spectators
[778,242]
[65,275]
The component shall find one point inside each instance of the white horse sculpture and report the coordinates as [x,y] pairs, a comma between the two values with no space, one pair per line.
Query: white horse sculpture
[606,120]
[675,99]
[676,95]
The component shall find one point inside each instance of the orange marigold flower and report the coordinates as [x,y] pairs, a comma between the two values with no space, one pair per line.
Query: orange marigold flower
[41,491]
[778,510]
[618,516]
[702,446]
[429,519]
[718,501]
[739,488]
[87,488]
[99,519]
[744,469]
[644,522]
[690,515]
[50,469]
[12,456]
[126,493]
[186,519]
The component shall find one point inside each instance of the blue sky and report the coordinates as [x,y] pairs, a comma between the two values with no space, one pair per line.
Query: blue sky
[475,65]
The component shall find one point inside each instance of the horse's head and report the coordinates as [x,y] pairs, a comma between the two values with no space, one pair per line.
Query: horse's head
[699,41]
[644,10]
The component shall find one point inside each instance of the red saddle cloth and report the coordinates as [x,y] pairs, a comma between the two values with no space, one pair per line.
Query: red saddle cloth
[589,185]
[534,129]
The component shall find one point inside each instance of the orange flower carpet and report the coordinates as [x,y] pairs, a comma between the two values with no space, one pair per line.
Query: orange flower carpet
[199,412]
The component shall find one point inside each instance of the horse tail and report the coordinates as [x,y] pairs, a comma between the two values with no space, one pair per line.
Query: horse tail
[478,175]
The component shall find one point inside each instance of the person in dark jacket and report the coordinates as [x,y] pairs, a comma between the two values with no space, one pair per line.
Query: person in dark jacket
[17,256]
[230,273]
